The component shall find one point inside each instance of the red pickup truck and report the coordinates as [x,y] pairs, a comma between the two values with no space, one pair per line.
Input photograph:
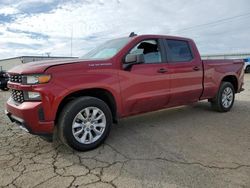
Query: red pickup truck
[120,78]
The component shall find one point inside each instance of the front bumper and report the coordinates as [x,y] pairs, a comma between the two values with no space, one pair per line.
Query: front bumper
[28,117]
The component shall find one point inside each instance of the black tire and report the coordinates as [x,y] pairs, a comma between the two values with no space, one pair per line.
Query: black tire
[68,115]
[247,70]
[217,103]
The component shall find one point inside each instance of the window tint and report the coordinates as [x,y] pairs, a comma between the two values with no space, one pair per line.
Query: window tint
[179,51]
[149,49]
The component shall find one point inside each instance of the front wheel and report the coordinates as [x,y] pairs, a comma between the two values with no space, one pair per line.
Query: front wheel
[85,123]
[224,99]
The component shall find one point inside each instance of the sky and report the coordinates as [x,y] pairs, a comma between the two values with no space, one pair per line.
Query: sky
[38,27]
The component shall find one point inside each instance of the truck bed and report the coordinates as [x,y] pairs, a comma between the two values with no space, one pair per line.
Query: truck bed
[215,70]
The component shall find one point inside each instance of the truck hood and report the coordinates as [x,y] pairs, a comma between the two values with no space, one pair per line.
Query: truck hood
[41,66]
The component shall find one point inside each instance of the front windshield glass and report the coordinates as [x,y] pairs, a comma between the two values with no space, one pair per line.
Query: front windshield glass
[107,49]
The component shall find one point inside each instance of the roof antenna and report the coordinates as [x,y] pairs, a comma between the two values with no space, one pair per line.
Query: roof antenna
[132,34]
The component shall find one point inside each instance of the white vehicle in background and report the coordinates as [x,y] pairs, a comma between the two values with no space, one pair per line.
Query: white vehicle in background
[247,65]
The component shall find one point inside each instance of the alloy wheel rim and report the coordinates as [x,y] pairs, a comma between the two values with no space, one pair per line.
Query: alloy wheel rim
[227,97]
[89,125]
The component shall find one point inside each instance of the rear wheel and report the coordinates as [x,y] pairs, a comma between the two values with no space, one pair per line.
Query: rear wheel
[224,99]
[85,123]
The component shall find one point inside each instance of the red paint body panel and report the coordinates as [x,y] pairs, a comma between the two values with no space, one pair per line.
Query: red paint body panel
[28,111]
[141,89]
[186,83]
[216,70]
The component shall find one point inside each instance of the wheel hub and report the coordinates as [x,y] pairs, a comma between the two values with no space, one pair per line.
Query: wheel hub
[227,97]
[88,125]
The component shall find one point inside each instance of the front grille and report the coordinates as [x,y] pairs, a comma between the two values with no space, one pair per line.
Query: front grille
[17,95]
[16,78]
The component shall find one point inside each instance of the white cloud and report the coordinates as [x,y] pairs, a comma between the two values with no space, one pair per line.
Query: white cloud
[93,22]
[7,10]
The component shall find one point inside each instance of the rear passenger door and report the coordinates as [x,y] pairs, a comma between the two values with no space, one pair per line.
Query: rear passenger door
[185,71]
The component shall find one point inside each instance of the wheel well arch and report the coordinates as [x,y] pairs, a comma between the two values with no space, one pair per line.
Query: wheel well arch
[233,80]
[99,93]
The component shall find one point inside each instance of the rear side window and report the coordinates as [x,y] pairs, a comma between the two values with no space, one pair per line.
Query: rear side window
[179,50]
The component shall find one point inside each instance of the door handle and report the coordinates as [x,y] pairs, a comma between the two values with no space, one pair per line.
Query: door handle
[162,70]
[196,68]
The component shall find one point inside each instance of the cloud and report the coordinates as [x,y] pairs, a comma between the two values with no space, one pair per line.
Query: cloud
[35,6]
[6,19]
[22,46]
[33,35]
[52,23]
[8,10]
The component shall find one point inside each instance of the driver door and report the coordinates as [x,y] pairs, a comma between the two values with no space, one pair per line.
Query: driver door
[145,86]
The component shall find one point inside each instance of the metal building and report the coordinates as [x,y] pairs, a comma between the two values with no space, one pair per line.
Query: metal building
[227,56]
[6,64]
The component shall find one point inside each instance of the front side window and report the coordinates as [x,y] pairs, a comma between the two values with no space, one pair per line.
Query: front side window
[107,49]
[149,49]
[179,50]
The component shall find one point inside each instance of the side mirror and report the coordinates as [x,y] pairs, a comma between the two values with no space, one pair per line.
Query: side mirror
[134,59]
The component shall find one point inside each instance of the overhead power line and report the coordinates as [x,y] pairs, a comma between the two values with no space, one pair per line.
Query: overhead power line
[214,22]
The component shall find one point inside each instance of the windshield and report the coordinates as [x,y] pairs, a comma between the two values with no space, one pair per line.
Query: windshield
[107,49]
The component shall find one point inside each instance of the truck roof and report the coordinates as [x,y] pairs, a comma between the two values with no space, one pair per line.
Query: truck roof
[160,36]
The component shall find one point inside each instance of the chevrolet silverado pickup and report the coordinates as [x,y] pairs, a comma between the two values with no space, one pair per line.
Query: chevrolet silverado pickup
[82,98]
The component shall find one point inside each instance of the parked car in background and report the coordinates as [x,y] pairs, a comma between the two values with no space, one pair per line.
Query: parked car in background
[247,65]
[4,78]
[120,78]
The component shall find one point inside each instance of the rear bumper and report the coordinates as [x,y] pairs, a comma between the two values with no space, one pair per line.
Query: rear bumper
[28,117]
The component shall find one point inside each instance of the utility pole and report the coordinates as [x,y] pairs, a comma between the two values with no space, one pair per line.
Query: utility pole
[48,54]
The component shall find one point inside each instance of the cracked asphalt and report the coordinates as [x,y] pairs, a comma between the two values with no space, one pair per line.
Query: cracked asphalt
[188,146]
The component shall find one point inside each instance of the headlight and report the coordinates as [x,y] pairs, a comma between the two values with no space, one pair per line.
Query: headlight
[36,79]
